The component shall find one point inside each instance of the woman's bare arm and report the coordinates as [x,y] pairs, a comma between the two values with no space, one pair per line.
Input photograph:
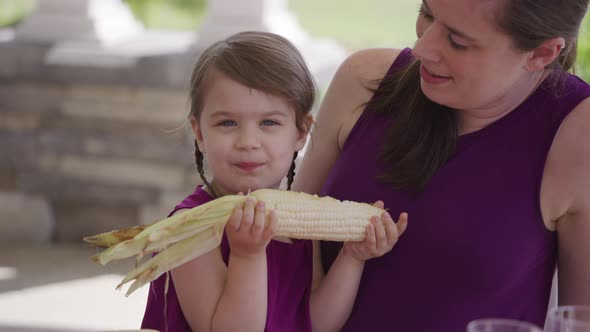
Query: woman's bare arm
[565,201]
[339,111]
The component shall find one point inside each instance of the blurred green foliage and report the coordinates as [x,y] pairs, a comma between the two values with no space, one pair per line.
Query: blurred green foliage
[169,14]
[13,11]
[359,24]
[583,56]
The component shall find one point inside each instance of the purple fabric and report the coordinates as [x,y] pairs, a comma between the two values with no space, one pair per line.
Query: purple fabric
[476,245]
[289,285]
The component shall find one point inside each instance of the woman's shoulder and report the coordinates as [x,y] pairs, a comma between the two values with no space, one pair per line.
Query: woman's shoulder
[369,64]
[575,126]
[350,90]
[565,179]
[356,79]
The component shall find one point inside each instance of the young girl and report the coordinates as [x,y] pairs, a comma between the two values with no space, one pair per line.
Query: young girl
[251,95]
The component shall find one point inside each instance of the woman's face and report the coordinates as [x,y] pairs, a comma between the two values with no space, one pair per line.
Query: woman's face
[467,62]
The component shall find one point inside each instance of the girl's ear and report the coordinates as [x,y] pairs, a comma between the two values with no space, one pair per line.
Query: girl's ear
[545,54]
[302,138]
[196,127]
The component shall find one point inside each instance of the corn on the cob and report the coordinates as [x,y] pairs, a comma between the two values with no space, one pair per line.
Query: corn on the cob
[303,216]
[191,233]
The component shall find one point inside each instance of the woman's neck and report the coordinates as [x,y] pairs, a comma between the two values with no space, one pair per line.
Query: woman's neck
[473,120]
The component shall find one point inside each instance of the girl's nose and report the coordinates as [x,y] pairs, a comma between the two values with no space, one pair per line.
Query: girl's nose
[248,139]
[427,48]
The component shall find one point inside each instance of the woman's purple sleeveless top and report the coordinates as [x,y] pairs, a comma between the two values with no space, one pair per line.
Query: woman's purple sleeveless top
[475,245]
[289,285]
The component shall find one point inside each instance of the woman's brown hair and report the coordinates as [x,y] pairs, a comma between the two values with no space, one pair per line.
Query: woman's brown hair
[262,61]
[424,134]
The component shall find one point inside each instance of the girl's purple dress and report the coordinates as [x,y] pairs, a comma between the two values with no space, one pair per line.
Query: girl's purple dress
[289,285]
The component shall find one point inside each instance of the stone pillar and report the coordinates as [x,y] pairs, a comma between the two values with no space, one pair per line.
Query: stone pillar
[225,17]
[97,21]
[95,33]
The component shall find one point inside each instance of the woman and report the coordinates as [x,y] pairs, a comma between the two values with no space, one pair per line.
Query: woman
[481,135]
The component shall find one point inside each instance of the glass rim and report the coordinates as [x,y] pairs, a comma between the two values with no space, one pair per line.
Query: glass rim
[559,313]
[503,321]
[583,308]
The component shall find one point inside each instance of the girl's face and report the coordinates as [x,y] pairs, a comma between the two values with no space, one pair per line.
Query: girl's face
[248,137]
[467,63]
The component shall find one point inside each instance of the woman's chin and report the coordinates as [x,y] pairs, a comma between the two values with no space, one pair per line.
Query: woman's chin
[440,98]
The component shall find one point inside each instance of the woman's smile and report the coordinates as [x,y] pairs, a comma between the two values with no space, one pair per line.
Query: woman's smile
[431,78]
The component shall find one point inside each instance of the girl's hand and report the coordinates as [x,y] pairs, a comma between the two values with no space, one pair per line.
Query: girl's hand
[382,234]
[247,231]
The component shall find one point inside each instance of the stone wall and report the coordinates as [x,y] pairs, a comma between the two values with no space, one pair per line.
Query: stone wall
[93,132]
[90,149]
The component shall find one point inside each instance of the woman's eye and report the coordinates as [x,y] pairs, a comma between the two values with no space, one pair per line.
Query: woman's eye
[424,13]
[455,45]
[226,123]
[269,123]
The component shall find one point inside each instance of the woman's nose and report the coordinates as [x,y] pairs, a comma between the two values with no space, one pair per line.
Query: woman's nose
[427,47]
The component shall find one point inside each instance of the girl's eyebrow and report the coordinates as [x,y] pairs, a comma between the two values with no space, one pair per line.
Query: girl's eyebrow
[451,29]
[275,113]
[224,113]
[221,113]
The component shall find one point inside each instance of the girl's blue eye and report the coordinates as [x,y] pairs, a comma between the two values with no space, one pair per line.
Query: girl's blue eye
[269,123]
[227,123]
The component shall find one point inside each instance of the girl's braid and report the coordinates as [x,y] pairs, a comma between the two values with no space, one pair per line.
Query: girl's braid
[291,174]
[199,162]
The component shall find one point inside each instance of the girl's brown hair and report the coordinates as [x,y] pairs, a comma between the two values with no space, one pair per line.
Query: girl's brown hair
[262,61]
[424,134]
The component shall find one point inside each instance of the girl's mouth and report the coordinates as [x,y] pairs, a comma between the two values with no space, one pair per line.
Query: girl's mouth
[246,166]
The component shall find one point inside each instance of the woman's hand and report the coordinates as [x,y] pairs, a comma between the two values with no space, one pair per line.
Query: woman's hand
[382,234]
[247,229]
